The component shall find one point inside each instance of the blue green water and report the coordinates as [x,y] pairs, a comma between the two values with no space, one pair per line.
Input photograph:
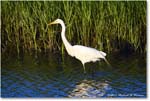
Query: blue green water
[57,76]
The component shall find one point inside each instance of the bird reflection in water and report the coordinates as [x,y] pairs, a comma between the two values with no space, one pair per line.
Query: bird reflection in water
[89,89]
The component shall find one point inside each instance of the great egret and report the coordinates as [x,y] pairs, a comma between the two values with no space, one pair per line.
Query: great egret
[82,53]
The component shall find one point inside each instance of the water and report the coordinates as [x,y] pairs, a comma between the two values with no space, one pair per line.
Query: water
[56,76]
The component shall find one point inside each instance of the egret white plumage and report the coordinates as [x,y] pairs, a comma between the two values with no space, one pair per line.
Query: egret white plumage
[82,53]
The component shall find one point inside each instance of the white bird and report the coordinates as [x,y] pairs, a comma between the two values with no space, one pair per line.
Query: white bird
[82,53]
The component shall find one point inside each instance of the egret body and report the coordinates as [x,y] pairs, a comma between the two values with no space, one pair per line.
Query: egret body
[82,53]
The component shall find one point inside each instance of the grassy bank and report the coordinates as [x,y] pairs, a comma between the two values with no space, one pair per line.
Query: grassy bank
[107,26]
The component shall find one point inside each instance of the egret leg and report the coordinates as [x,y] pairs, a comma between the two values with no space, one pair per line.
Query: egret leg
[84,68]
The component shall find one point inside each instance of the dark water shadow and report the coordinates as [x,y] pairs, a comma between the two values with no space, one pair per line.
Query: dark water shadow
[57,76]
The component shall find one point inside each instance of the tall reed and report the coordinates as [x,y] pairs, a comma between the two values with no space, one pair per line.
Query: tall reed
[108,26]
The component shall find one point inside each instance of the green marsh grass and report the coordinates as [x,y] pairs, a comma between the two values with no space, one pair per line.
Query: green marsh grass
[108,26]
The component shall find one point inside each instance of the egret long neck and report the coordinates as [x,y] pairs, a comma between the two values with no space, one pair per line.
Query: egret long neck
[68,46]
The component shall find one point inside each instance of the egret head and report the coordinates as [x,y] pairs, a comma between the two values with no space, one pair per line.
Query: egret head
[57,21]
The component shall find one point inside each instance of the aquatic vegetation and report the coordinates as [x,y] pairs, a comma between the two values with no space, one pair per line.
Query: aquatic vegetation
[107,26]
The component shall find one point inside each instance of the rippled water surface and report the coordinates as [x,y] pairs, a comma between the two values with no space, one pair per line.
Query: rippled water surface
[56,76]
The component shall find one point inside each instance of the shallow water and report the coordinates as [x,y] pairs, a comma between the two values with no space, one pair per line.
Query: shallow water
[56,76]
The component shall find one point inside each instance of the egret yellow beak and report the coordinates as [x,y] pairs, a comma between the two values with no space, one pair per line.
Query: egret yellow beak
[52,23]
